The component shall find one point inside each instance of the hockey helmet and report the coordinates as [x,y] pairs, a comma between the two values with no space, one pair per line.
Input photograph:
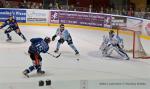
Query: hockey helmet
[47,39]
[111,33]
[11,17]
[62,26]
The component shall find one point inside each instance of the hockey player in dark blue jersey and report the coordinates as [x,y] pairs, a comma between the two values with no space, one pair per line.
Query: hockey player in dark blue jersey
[38,45]
[12,25]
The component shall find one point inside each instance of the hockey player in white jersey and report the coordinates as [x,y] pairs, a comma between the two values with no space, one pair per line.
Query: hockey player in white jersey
[113,43]
[64,36]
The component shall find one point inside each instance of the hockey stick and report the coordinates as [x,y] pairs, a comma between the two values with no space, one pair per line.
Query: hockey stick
[55,56]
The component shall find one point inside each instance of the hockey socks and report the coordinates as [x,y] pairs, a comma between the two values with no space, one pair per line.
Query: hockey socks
[9,37]
[74,48]
[20,34]
[58,46]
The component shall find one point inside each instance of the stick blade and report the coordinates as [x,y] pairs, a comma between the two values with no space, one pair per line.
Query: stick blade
[58,55]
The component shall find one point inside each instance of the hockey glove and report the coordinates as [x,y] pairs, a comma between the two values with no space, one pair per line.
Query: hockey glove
[61,40]
[53,38]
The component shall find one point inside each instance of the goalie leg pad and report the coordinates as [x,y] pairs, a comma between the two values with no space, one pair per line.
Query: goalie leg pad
[107,51]
[121,52]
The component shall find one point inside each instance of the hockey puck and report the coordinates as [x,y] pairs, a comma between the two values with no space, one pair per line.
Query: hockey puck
[48,82]
[41,83]
[77,59]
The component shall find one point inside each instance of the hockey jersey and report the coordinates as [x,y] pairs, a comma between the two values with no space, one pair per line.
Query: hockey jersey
[11,23]
[38,45]
[64,34]
[115,40]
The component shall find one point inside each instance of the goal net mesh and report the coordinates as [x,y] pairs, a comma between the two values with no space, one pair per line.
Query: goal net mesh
[132,42]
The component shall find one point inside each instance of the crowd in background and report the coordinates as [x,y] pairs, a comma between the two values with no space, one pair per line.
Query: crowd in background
[23,5]
[140,13]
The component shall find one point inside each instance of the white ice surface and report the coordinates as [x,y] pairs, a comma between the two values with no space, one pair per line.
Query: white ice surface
[90,67]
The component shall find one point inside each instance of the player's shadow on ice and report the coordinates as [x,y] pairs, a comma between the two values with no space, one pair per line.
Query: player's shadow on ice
[68,54]
[15,42]
[97,54]
[94,54]
[35,75]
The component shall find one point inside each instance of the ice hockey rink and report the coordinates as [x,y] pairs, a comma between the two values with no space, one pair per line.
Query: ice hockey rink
[66,72]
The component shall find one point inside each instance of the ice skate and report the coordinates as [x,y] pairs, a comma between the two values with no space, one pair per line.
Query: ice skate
[24,39]
[76,52]
[41,72]
[9,39]
[127,58]
[25,73]
[56,51]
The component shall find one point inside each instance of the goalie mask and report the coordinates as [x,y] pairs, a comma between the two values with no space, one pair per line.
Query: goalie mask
[111,33]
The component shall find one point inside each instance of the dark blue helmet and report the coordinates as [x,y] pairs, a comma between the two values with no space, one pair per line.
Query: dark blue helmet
[47,39]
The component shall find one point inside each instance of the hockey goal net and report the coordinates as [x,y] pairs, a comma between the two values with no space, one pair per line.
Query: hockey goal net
[132,42]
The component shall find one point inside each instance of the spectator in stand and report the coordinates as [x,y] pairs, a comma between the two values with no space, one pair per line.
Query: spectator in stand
[147,10]
[90,8]
[116,11]
[57,6]
[22,5]
[61,7]
[111,11]
[120,11]
[107,11]
[123,12]
[102,10]
[50,6]
[33,5]
[36,5]
[137,13]
[40,6]
[28,5]
[146,15]
[71,8]
[25,4]
[142,13]
[7,4]
[1,5]
[130,12]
